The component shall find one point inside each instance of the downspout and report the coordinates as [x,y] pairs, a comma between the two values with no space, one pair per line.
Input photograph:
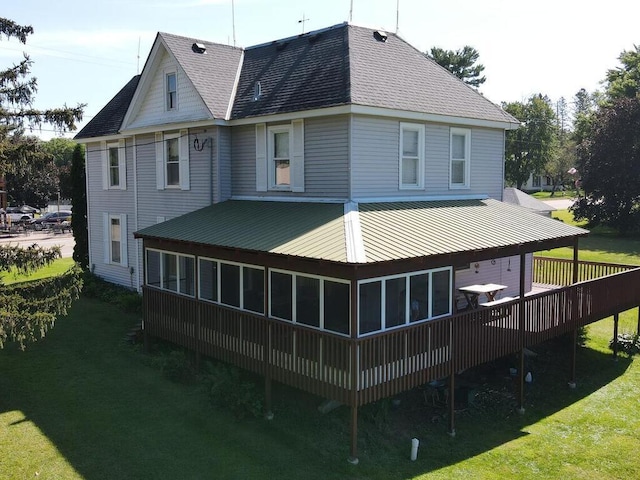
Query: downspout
[86,187]
[135,211]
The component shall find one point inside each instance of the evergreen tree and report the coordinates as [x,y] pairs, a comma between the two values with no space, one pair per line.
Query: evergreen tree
[462,63]
[79,202]
[28,311]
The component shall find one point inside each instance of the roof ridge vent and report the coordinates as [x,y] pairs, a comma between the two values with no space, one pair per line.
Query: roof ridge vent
[199,48]
[380,35]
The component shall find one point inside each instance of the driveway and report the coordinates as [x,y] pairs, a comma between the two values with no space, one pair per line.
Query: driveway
[43,239]
[559,203]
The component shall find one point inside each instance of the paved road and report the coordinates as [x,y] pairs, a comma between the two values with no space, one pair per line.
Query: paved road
[559,203]
[43,239]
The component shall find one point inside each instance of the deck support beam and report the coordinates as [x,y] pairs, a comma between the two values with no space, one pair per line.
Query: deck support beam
[452,404]
[521,316]
[616,318]
[353,457]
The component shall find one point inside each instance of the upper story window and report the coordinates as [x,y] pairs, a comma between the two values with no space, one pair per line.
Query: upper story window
[114,168]
[460,149]
[172,160]
[172,90]
[280,157]
[411,156]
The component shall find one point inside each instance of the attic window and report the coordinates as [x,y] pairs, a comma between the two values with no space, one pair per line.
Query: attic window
[380,36]
[257,91]
[199,48]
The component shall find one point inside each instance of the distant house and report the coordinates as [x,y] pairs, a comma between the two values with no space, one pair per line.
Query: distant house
[309,208]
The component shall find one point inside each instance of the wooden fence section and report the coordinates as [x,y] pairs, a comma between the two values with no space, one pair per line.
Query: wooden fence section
[559,271]
[362,370]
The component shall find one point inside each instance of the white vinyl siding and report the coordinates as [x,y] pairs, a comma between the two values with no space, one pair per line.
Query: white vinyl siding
[411,156]
[172,160]
[115,239]
[114,165]
[460,157]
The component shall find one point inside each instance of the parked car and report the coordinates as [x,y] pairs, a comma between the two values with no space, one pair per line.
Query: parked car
[16,215]
[50,219]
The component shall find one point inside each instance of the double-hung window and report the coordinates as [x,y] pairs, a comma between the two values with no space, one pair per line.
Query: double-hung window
[114,168]
[172,160]
[460,148]
[172,90]
[115,239]
[411,156]
[280,157]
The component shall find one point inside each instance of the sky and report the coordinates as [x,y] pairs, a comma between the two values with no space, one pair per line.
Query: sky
[85,51]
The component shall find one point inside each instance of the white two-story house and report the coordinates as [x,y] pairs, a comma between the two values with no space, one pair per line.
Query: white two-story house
[308,209]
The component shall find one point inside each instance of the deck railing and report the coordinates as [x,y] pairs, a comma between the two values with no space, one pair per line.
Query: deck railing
[359,371]
[559,271]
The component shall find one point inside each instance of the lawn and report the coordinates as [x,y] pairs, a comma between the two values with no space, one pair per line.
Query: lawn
[58,267]
[83,403]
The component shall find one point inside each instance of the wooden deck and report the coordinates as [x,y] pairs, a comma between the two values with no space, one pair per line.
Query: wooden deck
[357,371]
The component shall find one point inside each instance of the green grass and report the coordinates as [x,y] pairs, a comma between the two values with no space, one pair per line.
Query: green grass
[82,403]
[58,267]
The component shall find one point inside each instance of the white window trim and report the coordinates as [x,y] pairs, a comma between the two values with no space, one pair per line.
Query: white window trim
[166,90]
[265,169]
[106,166]
[183,158]
[322,279]
[416,127]
[124,261]
[466,132]
[271,132]
[407,276]
[161,270]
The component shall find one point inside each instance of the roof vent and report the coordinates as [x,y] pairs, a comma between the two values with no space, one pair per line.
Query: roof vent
[199,48]
[380,36]
[257,91]
[313,37]
[281,45]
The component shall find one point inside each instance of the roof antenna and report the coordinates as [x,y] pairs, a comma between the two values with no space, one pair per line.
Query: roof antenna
[351,12]
[397,15]
[303,21]
[233,21]
[138,65]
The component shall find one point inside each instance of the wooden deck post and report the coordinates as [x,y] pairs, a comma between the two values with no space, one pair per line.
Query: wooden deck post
[521,315]
[616,317]
[574,317]
[355,373]
[198,336]
[452,403]
[268,409]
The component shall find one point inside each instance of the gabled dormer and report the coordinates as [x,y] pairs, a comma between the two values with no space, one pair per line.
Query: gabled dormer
[184,81]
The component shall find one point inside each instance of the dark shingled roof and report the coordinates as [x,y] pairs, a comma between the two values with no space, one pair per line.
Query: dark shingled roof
[299,73]
[340,65]
[109,119]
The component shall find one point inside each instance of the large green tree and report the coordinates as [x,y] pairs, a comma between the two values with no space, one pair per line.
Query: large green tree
[609,167]
[27,311]
[624,81]
[462,63]
[61,149]
[529,148]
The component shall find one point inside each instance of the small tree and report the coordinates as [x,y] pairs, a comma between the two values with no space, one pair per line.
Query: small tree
[79,202]
[462,63]
[609,165]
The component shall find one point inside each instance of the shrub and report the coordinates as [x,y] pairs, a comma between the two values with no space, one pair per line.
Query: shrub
[176,367]
[627,343]
[227,389]
[127,300]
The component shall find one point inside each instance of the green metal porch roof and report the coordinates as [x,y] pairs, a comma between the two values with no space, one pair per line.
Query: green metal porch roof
[362,233]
